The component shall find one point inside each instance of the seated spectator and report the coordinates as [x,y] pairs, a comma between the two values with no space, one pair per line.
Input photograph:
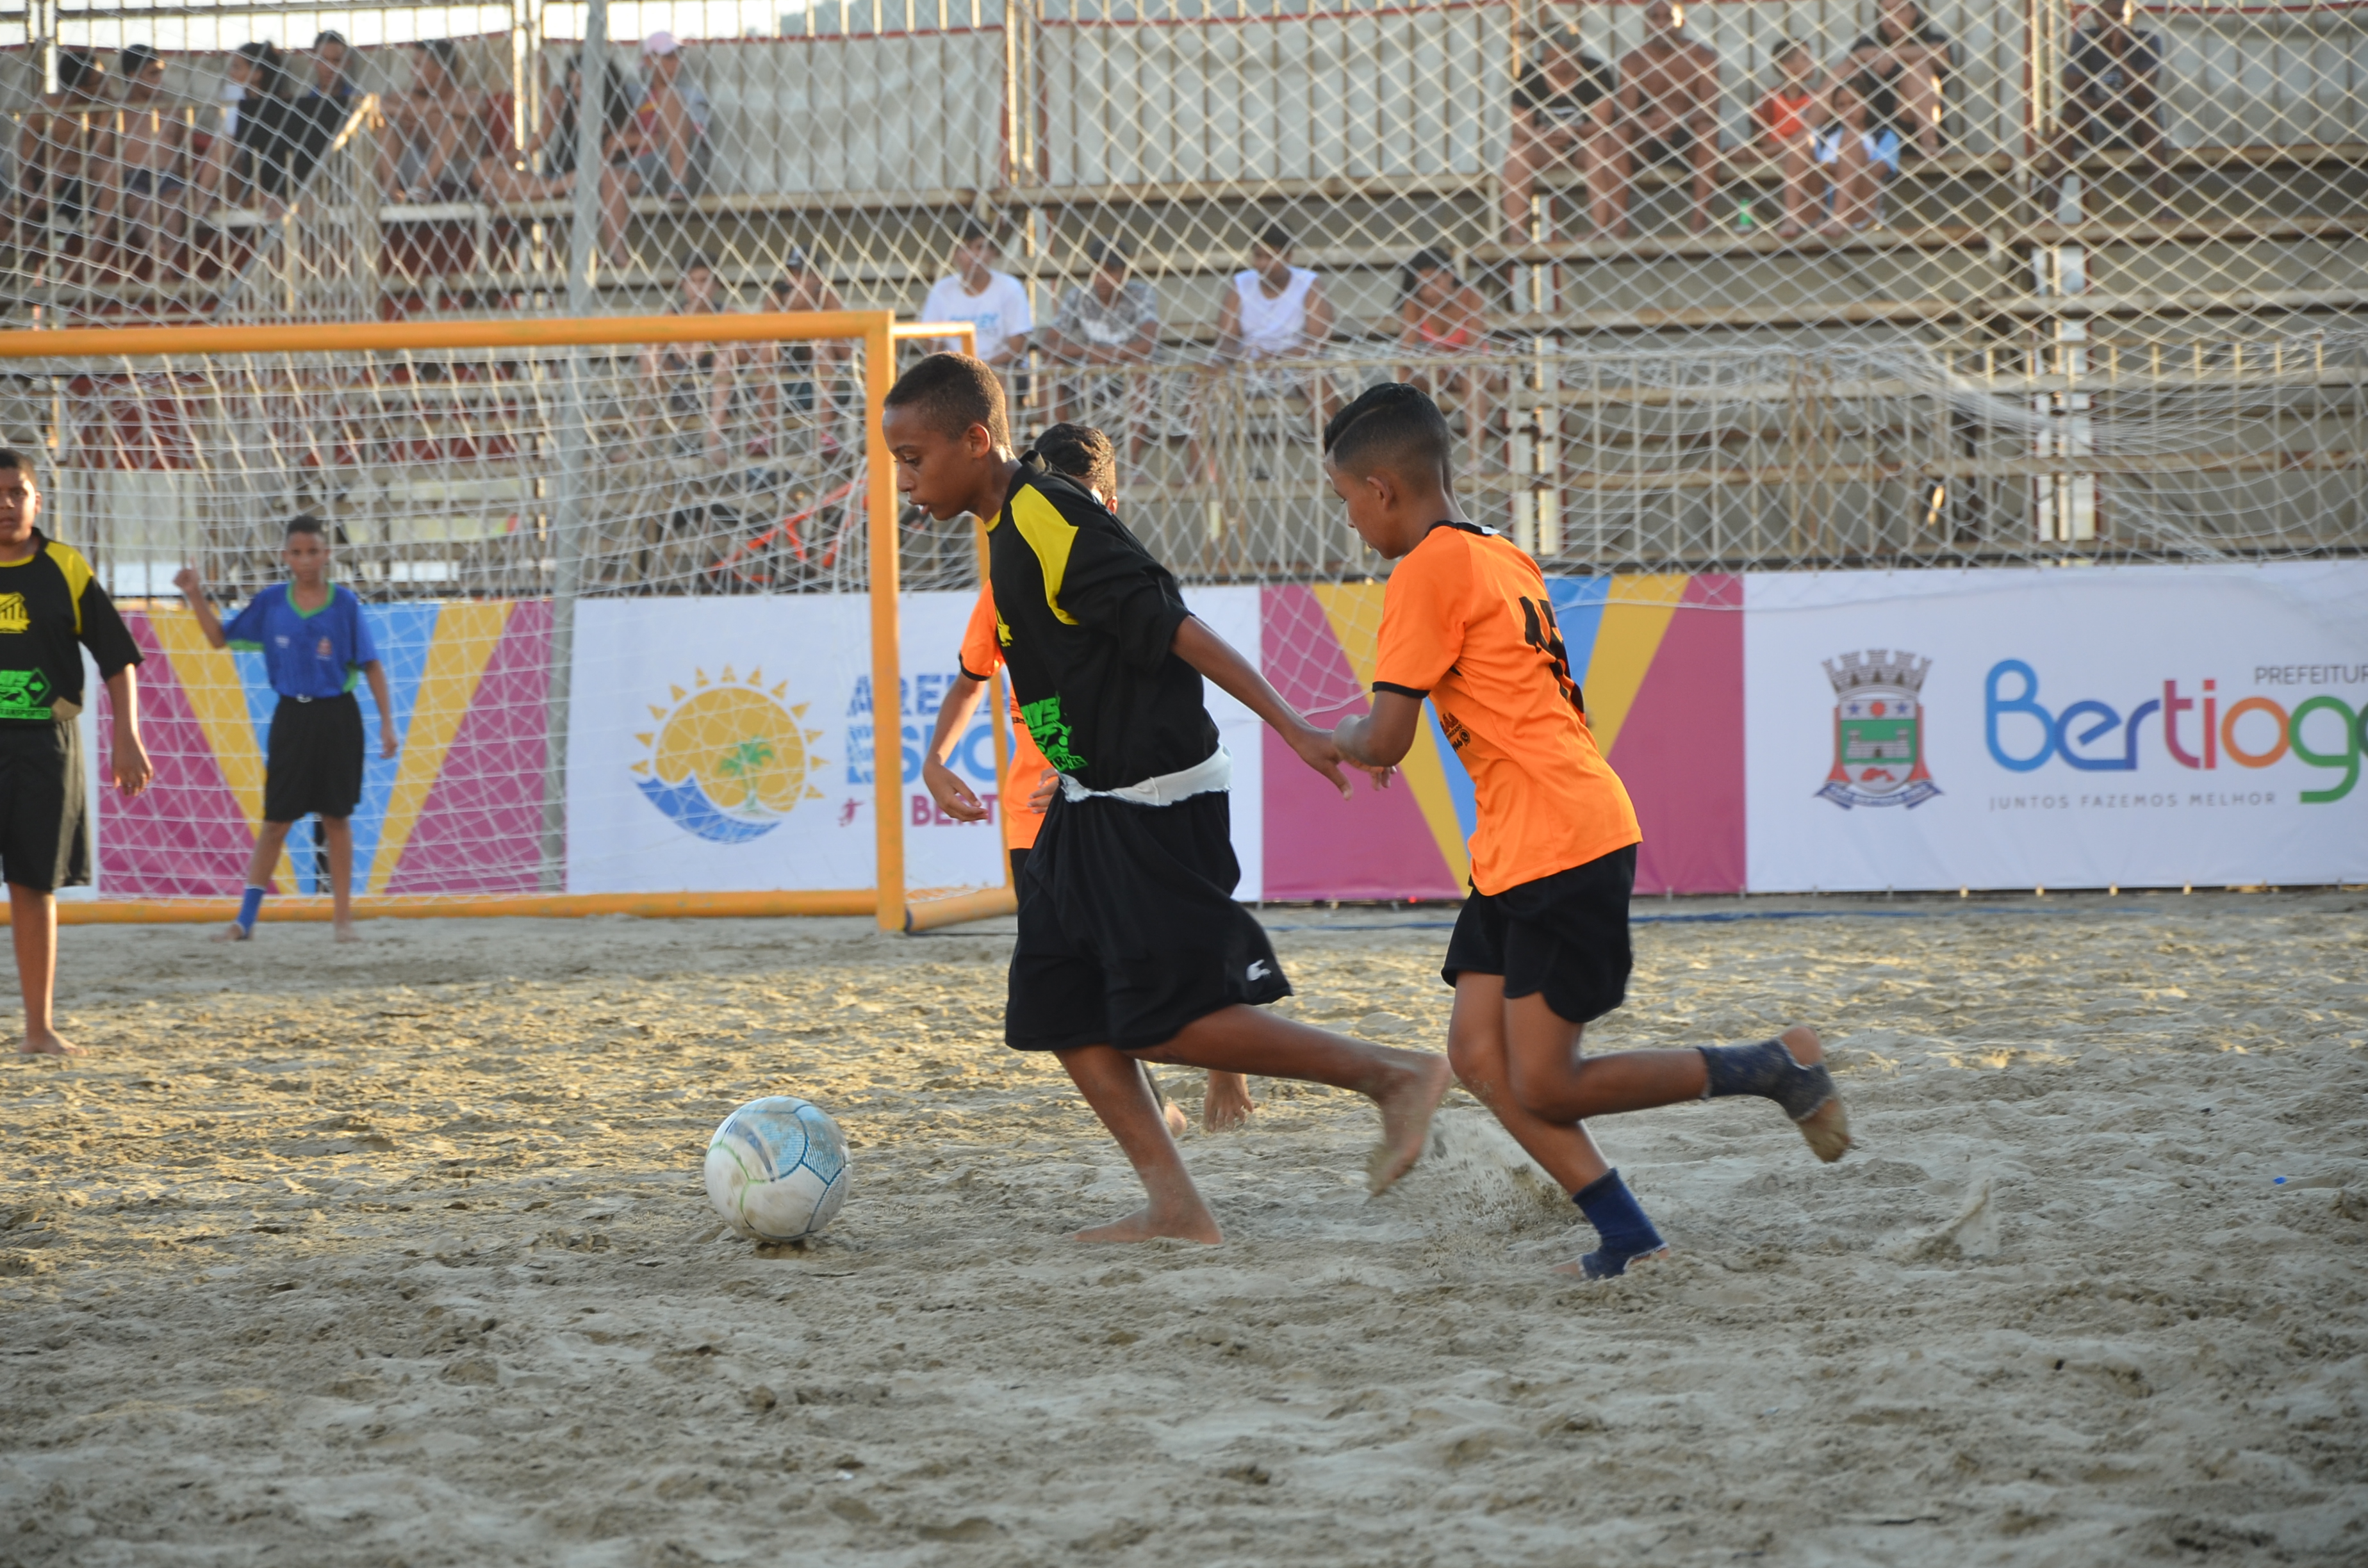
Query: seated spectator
[1859,152]
[66,148]
[1909,59]
[1274,311]
[261,145]
[995,303]
[1790,118]
[1562,114]
[1442,317]
[1111,320]
[1669,110]
[803,378]
[435,130]
[328,103]
[666,147]
[684,378]
[2112,100]
[152,157]
[547,170]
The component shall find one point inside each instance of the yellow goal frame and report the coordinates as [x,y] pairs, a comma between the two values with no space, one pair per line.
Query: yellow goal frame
[879,331]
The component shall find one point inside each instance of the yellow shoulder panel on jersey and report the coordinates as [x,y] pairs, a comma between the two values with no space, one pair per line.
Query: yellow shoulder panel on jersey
[1049,535]
[78,573]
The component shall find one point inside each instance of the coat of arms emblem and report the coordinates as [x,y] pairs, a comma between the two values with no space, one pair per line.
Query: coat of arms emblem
[1878,731]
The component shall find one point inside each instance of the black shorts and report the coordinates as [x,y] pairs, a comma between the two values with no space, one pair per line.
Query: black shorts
[1674,144]
[44,842]
[1566,934]
[1127,928]
[313,760]
[1018,871]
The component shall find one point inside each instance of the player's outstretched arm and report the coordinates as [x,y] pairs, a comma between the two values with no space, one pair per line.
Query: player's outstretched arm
[375,672]
[1383,737]
[192,584]
[1216,659]
[945,786]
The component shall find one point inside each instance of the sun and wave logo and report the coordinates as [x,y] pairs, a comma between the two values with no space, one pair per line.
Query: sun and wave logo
[729,759]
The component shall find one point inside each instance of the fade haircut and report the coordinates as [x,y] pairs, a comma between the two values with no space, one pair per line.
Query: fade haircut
[308,523]
[954,392]
[1083,453]
[12,461]
[1392,426]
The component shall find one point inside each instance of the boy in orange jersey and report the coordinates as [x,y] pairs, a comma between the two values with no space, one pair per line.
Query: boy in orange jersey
[1541,948]
[1086,455]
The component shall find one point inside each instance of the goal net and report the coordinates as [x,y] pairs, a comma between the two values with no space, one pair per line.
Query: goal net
[649,621]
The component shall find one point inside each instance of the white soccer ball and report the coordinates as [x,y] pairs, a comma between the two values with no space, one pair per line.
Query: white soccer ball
[776,1169]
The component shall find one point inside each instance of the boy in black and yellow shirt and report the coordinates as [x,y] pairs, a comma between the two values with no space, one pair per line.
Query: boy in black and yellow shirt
[1541,948]
[1129,944]
[51,608]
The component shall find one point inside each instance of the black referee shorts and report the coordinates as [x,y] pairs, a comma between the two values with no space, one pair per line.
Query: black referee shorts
[1566,934]
[313,759]
[1127,928]
[45,841]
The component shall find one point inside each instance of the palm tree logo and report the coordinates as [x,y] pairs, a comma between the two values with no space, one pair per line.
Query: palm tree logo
[745,759]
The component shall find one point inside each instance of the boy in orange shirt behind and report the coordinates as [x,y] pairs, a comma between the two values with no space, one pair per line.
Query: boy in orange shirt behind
[1541,948]
[1086,455]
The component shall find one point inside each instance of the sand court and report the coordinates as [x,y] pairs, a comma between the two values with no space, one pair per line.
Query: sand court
[398,1254]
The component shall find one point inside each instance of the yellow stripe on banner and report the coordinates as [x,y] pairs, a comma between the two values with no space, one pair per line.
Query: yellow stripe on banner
[459,648]
[1636,617]
[210,683]
[1355,612]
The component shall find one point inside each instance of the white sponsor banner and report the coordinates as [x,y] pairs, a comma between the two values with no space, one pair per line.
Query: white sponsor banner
[724,745]
[2140,725]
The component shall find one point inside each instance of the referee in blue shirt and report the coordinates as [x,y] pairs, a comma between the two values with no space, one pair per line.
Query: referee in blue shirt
[315,644]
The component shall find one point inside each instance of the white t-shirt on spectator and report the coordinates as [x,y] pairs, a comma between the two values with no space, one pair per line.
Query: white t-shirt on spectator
[999,314]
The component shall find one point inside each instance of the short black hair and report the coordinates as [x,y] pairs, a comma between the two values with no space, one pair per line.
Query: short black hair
[1084,453]
[76,65]
[323,40]
[11,461]
[1276,238]
[973,231]
[1106,253]
[308,523]
[447,52]
[1430,259]
[953,392]
[1395,426]
[136,57]
[697,262]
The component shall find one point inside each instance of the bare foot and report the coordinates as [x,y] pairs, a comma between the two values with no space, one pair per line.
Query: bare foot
[1828,1126]
[1578,1270]
[1407,1102]
[234,932]
[1173,1114]
[345,932]
[49,1042]
[1193,1224]
[1227,1103]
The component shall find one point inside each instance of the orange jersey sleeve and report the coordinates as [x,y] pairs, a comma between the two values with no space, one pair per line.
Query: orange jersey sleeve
[1423,614]
[982,655]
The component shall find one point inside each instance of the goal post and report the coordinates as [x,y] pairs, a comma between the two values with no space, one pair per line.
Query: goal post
[736,476]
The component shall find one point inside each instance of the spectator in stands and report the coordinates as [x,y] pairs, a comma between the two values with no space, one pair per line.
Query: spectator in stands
[683,379]
[434,130]
[1442,317]
[153,153]
[505,179]
[326,106]
[1562,114]
[1274,311]
[1669,110]
[1909,58]
[1859,152]
[1109,320]
[802,378]
[665,146]
[261,142]
[1790,118]
[2112,100]
[995,303]
[66,148]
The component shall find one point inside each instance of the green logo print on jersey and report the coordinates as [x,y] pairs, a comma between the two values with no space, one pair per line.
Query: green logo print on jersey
[24,694]
[1052,731]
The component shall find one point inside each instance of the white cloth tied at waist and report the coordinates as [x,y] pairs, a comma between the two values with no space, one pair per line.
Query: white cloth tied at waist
[1214,773]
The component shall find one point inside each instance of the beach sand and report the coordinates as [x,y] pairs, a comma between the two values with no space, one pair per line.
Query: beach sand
[399,1254]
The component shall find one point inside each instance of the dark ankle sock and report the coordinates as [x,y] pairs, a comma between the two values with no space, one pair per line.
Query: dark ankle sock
[1769,1071]
[1620,1220]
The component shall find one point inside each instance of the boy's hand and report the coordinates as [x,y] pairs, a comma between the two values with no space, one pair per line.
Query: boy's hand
[1319,751]
[131,766]
[190,581]
[953,797]
[1040,798]
[387,743]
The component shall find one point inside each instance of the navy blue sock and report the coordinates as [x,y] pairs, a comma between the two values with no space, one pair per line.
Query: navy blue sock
[1769,1071]
[1620,1220]
[250,904]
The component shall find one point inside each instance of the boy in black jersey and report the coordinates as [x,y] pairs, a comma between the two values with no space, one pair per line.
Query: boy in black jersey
[1130,942]
[51,608]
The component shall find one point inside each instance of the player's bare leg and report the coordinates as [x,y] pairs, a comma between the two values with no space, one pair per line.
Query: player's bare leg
[1227,1103]
[337,834]
[33,926]
[268,843]
[1113,1084]
[1406,1085]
